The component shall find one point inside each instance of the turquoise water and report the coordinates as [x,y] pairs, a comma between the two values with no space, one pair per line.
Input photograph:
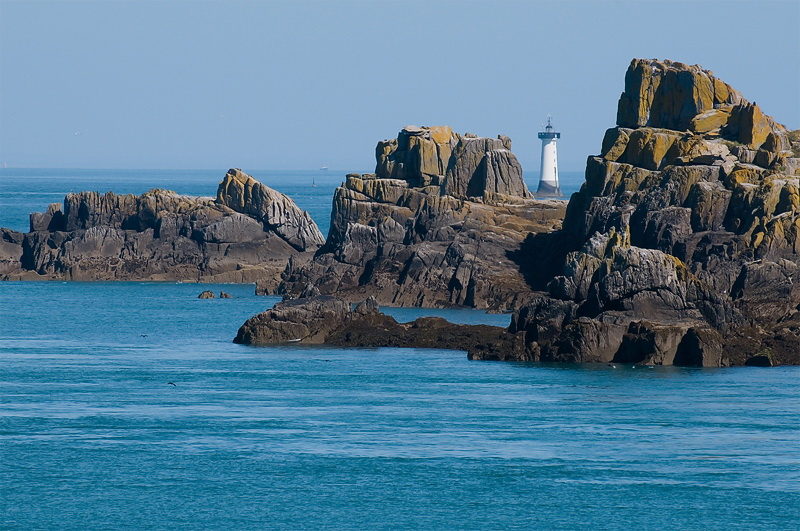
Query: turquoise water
[94,436]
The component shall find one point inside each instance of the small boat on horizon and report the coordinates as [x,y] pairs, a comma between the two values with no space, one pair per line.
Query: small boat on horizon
[324,168]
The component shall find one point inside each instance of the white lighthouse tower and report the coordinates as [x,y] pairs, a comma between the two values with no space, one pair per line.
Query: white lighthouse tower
[548,177]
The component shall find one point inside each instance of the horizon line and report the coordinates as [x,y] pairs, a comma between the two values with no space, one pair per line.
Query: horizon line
[329,170]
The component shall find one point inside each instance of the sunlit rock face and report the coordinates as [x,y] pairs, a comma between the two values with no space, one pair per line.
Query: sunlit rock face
[682,245]
[440,223]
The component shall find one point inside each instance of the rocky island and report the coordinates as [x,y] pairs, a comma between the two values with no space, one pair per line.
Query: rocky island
[440,223]
[248,233]
[681,248]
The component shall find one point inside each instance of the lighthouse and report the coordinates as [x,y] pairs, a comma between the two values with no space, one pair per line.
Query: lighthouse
[548,176]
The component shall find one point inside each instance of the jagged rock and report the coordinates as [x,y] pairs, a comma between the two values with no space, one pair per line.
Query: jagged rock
[700,347]
[767,290]
[248,234]
[277,212]
[206,295]
[587,340]
[402,236]
[461,166]
[679,97]
[225,295]
[650,344]
[10,250]
[669,94]
[482,167]
[366,307]
[682,246]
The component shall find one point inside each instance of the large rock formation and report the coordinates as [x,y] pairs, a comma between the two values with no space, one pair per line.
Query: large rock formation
[681,248]
[440,223]
[682,245]
[247,234]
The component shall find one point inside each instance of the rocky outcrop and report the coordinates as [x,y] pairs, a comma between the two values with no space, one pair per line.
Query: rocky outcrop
[276,212]
[440,223]
[463,167]
[247,234]
[682,245]
[329,320]
[10,251]
[681,248]
[300,320]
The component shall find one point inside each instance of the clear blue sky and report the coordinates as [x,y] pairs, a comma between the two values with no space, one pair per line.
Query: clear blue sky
[294,85]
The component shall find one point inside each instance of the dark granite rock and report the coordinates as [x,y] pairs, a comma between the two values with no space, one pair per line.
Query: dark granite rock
[206,295]
[328,319]
[247,234]
[10,250]
[298,320]
[459,166]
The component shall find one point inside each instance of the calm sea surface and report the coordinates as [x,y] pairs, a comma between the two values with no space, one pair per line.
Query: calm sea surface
[94,436]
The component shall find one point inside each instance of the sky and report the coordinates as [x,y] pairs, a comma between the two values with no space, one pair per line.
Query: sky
[280,85]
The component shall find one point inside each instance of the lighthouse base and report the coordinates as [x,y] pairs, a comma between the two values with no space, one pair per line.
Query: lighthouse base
[548,190]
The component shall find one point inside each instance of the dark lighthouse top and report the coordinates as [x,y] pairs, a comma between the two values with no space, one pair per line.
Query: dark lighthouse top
[549,131]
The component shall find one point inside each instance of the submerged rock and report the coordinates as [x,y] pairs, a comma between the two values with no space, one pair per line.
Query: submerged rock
[247,234]
[206,295]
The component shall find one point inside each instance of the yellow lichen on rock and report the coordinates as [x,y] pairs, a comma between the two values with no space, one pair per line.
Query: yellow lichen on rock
[441,134]
[721,91]
[702,91]
[753,125]
[710,120]
[744,174]
[614,143]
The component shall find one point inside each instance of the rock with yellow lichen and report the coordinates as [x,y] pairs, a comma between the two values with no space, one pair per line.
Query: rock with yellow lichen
[683,245]
[440,223]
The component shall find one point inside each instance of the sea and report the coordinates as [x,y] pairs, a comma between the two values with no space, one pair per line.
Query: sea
[125,405]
